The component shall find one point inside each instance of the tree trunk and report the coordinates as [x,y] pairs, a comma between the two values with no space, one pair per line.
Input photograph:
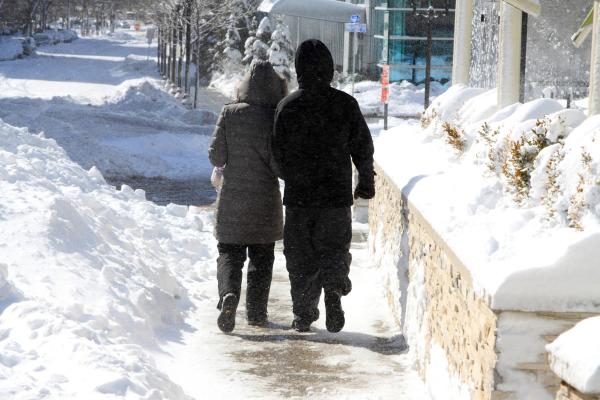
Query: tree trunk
[173,51]
[188,45]
[179,52]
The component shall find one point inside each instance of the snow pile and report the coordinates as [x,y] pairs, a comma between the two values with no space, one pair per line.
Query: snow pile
[54,36]
[88,277]
[511,191]
[136,129]
[122,35]
[10,48]
[405,99]
[575,356]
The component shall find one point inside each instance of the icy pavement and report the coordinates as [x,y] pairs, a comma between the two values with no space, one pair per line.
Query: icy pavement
[367,360]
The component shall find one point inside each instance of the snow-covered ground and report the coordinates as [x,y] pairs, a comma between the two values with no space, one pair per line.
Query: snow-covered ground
[406,99]
[105,295]
[102,94]
[525,222]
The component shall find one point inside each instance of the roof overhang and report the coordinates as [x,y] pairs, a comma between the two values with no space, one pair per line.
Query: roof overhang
[531,7]
[325,10]
[584,30]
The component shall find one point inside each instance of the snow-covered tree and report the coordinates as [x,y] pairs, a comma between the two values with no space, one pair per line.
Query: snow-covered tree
[231,50]
[281,52]
[257,45]
[248,53]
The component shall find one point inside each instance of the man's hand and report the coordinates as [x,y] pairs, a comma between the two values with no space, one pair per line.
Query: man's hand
[364,191]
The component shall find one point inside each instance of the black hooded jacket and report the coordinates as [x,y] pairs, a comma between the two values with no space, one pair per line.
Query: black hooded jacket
[318,132]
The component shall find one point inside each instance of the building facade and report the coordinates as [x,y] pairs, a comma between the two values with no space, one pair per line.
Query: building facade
[400,37]
[551,65]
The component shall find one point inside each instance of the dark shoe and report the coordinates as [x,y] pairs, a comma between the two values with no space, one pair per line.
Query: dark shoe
[301,325]
[334,320]
[256,320]
[226,320]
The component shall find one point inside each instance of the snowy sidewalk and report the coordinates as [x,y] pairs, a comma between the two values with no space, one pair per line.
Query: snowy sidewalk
[367,360]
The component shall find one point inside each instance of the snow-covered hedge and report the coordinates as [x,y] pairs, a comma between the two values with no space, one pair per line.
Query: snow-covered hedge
[54,36]
[13,47]
[575,356]
[90,277]
[10,48]
[543,154]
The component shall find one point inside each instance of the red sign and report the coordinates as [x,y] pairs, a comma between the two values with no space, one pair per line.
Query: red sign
[385,75]
[385,84]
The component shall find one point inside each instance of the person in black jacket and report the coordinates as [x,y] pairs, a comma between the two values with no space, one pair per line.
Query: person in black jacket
[318,133]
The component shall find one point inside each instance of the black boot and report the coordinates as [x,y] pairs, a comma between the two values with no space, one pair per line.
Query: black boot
[302,324]
[334,320]
[226,320]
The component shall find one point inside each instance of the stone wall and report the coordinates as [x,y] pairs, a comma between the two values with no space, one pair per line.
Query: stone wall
[486,353]
[440,309]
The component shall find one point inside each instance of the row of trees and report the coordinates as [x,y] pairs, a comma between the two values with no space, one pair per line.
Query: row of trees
[29,16]
[198,38]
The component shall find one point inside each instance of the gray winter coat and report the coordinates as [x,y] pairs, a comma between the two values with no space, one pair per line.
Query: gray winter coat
[249,209]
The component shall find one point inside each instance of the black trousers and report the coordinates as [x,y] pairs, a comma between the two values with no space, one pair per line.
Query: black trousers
[260,272]
[317,251]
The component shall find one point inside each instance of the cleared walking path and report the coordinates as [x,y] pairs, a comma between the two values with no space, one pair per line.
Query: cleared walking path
[367,360]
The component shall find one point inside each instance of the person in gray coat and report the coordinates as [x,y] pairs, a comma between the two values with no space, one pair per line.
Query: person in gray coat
[249,216]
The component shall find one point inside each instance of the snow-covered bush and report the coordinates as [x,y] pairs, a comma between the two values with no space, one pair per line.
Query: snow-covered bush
[281,52]
[542,154]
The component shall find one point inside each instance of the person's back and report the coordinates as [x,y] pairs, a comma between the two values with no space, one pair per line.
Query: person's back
[249,217]
[326,132]
[319,131]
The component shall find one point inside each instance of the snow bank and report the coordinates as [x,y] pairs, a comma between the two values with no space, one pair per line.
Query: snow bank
[54,36]
[10,48]
[90,277]
[406,99]
[575,356]
[513,192]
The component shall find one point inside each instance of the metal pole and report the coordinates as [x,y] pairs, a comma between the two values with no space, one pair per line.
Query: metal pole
[385,116]
[430,15]
[386,56]
[354,54]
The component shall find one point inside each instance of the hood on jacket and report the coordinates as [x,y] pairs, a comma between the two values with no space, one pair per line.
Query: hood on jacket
[314,64]
[262,86]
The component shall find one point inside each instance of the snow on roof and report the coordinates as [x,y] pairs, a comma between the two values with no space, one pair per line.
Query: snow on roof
[327,10]
[575,356]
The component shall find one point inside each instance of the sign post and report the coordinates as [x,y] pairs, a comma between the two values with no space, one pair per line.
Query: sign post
[385,92]
[355,27]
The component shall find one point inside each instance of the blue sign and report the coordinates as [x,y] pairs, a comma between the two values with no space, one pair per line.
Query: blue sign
[356,28]
[355,19]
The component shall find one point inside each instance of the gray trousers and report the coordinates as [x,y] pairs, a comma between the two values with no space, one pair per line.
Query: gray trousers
[317,251]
